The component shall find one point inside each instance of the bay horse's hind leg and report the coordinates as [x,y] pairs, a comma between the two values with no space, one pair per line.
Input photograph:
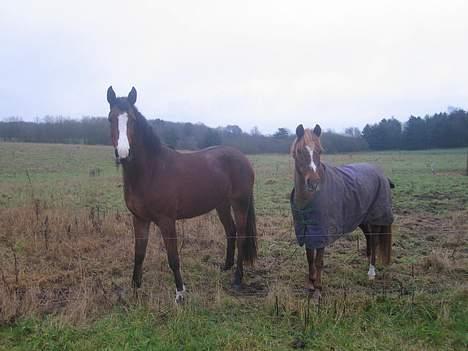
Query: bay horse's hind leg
[240,213]
[168,230]
[141,229]
[224,214]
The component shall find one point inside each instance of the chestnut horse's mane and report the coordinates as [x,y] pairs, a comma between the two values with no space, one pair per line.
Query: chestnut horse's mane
[309,138]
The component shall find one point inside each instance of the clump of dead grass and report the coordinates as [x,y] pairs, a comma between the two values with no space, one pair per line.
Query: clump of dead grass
[438,261]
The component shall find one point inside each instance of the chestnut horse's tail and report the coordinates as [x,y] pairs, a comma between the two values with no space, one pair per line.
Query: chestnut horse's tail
[250,242]
[385,244]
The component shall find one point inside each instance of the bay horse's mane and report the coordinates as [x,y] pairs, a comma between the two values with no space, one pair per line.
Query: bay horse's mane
[309,138]
[144,130]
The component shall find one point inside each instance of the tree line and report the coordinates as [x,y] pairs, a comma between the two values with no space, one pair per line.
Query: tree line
[442,130]
[186,136]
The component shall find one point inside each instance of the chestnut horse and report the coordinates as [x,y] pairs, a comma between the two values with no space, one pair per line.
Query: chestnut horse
[162,185]
[328,202]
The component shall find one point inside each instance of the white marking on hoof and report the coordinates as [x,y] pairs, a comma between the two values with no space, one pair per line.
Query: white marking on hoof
[180,295]
[371,273]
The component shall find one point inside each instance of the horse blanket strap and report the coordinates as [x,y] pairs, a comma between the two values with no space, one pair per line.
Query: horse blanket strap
[348,196]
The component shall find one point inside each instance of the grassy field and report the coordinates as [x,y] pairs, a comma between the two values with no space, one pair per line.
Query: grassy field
[66,256]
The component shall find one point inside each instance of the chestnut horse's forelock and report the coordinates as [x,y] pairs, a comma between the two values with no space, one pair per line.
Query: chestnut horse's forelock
[309,139]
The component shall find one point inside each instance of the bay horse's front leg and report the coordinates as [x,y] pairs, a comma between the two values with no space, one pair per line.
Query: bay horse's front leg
[141,229]
[168,230]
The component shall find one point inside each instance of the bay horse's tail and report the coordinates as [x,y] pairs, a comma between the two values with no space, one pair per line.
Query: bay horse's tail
[250,242]
[384,239]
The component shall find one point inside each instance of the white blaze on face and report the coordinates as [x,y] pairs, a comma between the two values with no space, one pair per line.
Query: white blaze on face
[313,166]
[123,147]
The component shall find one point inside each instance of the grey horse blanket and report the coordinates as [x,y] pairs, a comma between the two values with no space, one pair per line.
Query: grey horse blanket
[348,196]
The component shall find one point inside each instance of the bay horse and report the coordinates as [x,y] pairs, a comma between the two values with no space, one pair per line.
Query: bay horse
[328,202]
[162,185]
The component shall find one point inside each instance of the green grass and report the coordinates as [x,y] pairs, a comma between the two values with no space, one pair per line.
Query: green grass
[431,314]
[60,176]
[379,324]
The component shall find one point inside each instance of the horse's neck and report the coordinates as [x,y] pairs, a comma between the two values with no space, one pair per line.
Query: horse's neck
[143,164]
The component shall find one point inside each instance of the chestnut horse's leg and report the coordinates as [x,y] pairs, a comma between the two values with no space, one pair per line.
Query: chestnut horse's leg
[141,229]
[366,230]
[318,269]
[315,261]
[168,230]
[374,231]
[224,213]
[310,283]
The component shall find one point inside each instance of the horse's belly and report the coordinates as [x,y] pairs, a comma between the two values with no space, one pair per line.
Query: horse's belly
[198,206]
[202,199]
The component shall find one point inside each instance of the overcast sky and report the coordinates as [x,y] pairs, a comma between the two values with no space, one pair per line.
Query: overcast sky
[253,63]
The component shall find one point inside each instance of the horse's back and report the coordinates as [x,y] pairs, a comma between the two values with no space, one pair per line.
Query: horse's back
[234,164]
[362,191]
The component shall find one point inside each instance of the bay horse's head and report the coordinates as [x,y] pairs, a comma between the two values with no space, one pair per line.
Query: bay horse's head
[122,119]
[306,150]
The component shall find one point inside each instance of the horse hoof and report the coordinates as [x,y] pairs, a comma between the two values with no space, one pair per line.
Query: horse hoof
[179,300]
[180,296]
[317,295]
[371,272]
[226,267]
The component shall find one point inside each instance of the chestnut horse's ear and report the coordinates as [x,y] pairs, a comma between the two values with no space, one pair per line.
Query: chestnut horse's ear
[300,131]
[317,130]
[132,95]
[111,96]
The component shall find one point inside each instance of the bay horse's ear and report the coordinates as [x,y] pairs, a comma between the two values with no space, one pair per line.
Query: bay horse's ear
[132,95]
[111,96]
[300,131]
[317,130]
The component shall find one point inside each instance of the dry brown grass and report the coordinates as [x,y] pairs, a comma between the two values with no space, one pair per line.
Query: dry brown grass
[76,264]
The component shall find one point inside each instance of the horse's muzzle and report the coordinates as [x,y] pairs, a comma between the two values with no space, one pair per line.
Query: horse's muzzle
[119,160]
[312,186]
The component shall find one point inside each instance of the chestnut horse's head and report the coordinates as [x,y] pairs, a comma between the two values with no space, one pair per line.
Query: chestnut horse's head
[122,118]
[306,151]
